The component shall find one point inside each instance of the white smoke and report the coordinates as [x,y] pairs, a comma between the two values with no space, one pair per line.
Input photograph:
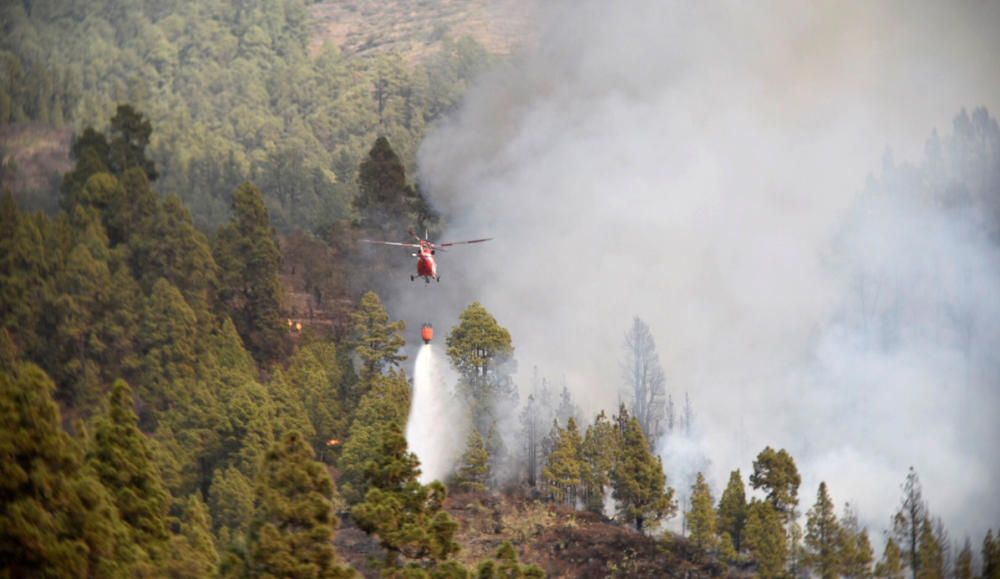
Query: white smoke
[702,166]
[435,430]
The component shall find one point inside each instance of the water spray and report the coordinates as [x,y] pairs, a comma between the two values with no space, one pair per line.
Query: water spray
[435,429]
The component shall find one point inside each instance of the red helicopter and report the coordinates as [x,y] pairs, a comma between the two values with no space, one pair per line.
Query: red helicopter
[426,267]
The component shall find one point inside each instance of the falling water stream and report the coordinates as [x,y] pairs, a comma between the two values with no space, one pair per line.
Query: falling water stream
[434,430]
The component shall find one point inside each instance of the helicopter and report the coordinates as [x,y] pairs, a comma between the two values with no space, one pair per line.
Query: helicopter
[426,249]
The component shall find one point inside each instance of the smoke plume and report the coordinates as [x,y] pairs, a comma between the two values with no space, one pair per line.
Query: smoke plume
[704,166]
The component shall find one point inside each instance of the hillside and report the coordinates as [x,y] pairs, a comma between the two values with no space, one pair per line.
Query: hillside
[415,29]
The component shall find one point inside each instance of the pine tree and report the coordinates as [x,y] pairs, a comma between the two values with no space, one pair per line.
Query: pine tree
[481,351]
[375,452]
[377,340]
[733,509]
[290,414]
[230,500]
[856,551]
[640,485]
[386,203]
[250,288]
[824,537]
[701,519]
[891,565]
[130,133]
[316,375]
[474,469]
[293,527]
[597,454]
[775,472]
[192,548]
[930,552]
[123,462]
[727,553]
[907,521]
[764,537]
[991,556]
[56,519]
[562,472]
[963,564]
[506,566]
[167,342]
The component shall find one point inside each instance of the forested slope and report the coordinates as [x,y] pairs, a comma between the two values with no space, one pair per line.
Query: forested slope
[234,92]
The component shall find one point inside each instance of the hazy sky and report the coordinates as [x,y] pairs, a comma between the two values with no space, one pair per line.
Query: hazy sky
[701,166]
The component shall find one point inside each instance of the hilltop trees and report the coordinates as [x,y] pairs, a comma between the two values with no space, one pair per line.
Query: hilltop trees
[733,510]
[640,485]
[824,537]
[775,473]
[765,538]
[377,340]
[701,518]
[562,473]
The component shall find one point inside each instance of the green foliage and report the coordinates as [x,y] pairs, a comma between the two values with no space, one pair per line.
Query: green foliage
[315,375]
[250,288]
[375,453]
[481,351]
[963,563]
[764,537]
[123,462]
[292,530]
[733,509]
[930,553]
[235,94]
[824,537]
[192,548]
[891,565]
[856,551]
[506,566]
[377,340]
[562,472]
[640,485]
[386,204]
[230,499]
[474,466]
[775,472]
[56,519]
[701,518]
[290,413]
[597,454]
[991,555]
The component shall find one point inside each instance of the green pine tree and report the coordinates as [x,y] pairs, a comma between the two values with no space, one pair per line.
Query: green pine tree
[124,463]
[505,565]
[290,413]
[377,340]
[481,351]
[963,563]
[292,530]
[727,553]
[991,556]
[701,518]
[250,288]
[824,537]
[192,548]
[474,467]
[640,485]
[764,537]
[891,565]
[856,552]
[775,472]
[930,552]
[230,500]
[597,452]
[562,473]
[733,509]
[56,519]
[315,374]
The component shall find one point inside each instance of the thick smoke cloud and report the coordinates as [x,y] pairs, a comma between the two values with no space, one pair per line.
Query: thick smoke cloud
[704,167]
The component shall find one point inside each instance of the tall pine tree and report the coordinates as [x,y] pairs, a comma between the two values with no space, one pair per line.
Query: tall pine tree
[823,537]
[733,509]
[701,518]
[640,485]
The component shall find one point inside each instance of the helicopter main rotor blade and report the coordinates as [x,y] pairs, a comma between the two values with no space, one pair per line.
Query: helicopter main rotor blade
[389,243]
[462,242]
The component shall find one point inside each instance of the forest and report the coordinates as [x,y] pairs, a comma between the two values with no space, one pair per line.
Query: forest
[162,416]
